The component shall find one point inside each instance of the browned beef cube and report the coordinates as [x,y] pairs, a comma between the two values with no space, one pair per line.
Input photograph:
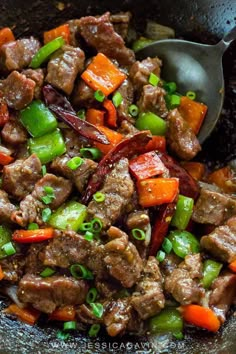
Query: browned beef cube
[37,75]
[13,132]
[117,315]
[120,22]
[152,99]
[127,92]
[33,262]
[6,207]
[83,95]
[13,267]
[141,70]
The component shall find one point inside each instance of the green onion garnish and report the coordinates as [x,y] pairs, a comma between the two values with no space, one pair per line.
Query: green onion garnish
[133,110]
[170,87]
[91,153]
[96,225]
[160,256]
[9,249]
[46,213]
[85,226]
[48,198]
[117,99]
[178,335]
[191,94]
[167,245]
[81,114]
[89,236]
[44,170]
[47,272]
[78,271]
[75,162]
[97,309]
[33,226]
[49,190]
[92,295]
[174,101]
[138,234]
[99,96]
[153,79]
[62,335]
[99,197]
[94,329]
[70,325]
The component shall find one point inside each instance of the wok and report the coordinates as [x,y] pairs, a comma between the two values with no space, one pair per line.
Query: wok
[199,20]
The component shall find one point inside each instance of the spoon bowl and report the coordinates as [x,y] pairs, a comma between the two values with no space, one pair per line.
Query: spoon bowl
[194,67]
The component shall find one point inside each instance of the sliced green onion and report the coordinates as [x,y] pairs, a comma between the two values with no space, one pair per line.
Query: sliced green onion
[89,236]
[191,94]
[75,162]
[97,309]
[96,225]
[91,153]
[44,170]
[133,110]
[167,245]
[94,329]
[174,101]
[160,256]
[47,199]
[170,87]
[92,295]
[138,234]
[49,190]
[47,272]
[178,335]
[81,114]
[153,79]
[46,213]
[9,249]
[33,226]
[69,325]
[78,271]
[117,99]
[99,96]
[99,197]
[62,335]
[85,226]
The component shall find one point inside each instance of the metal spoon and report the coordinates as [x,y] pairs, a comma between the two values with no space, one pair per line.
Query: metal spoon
[194,67]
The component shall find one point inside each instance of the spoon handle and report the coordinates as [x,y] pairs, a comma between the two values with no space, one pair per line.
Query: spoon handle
[227,39]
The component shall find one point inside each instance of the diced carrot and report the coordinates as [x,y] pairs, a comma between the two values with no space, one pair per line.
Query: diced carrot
[156,143]
[4,113]
[113,136]
[157,191]
[30,236]
[111,116]
[223,178]
[66,313]
[195,169]
[26,314]
[1,273]
[95,116]
[232,266]
[193,112]
[61,31]
[102,74]
[200,316]
[6,35]
[146,165]
[5,159]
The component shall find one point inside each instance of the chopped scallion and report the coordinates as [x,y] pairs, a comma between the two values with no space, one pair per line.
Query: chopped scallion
[97,309]
[33,226]
[174,101]
[167,245]
[138,234]
[160,256]
[92,295]
[47,272]
[69,325]
[91,153]
[117,99]
[133,110]
[96,225]
[62,335]
[99,96]
[78,271]
[170,87]
[99,197]
[178,335]
[191,94]
[94,329]
[46,213]
[153,79]
[44,170]
[8,248]
[89,236]
[81,114]
[85,226]
[75,162]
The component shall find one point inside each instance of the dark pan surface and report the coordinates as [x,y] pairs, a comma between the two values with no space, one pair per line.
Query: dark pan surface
[201,20]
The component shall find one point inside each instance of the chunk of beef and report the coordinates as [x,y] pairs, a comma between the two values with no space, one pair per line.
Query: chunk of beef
[183,282]
[127,92]
[221,242]
[138,219]
[95,261]
[213,208]
[127,128]
[33,262]
[170,263]
[118,188]
[19,177]
[117,315]
[148,298]
[141,70]
[6,207]
[45,294]
[74,32]
[152,99]
[65,249]
[13,267]
[31,206]
[107,288]
[37,75]
[18,90]
[223,294]
[74,142]
[99,33]
[13,132]
[180,137]
[64,66]
[79,176]
[83,95]
[121,22]
[121,258]
[18,54]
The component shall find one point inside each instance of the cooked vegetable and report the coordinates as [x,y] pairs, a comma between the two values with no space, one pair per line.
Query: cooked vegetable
[156,143]
[232,266]
[195,169]
[150,121]
[111,116]
[200,316]
[170,87]
[211,270]
[184,243]
[66,313]
[140,43]
[183,212]
[95,116]
[99,96]
[69,326]
[26,314]
[9,249]
[60,31]
[146,166]
[224,179]
[30,236]
[168,320]
[153,79]
[1,273]
[94,329]
[192,95]
[5,157]
[117,99]
[75,163]
[5,237]
[97,309]
[47,272]
[133,110]
[33,226]
[112,136]
[91,153]
[160,256]
[6,36]
[44,53]
[4,113]
[167,245]
[46,213]
[92,295]
[78,271]
[99,197]
[138,234]
[102,74]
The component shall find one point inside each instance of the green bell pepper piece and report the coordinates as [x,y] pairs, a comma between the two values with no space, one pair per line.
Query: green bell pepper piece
[150,121]
[183,212]
[168,320]
[211,270]
[184,243]
[48,146]
[38,119]
[5,237]
[44,53]
[70,215]
[141,42]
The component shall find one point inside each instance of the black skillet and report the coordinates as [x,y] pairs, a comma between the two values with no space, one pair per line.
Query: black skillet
[199,20]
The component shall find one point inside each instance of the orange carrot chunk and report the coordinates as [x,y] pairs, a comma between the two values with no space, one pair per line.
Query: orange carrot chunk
[223,179]
[66,313]
[102,74]
[61,31]
[6,35]
[146,166]
[113,136]
[156,143]
[195,169]
[232,266]
[157,191]
[193,112]
[111,113]
[26,314]
[200,316]
[1,273]
[95,116]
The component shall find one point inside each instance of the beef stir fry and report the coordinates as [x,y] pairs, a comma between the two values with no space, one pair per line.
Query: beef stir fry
[105,220]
